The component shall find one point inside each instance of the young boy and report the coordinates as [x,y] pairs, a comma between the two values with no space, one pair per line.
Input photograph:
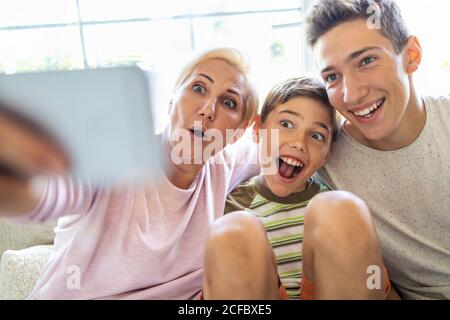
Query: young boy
[394,149]
[336,247]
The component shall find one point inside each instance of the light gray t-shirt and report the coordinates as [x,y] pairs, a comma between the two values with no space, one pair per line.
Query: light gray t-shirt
[408,193]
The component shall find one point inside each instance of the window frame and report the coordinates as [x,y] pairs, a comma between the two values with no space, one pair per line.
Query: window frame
[81,24]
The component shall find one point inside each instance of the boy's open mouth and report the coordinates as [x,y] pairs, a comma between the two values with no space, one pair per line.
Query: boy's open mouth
[289,168]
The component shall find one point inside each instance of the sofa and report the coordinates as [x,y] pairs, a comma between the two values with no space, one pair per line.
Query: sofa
[24,249]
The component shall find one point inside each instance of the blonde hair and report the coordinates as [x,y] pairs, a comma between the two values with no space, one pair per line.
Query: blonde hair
[235,59]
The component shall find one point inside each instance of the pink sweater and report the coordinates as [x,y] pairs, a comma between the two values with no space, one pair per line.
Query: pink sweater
[135,242]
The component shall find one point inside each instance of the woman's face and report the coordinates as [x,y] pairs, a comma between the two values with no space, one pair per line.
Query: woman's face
[208,103]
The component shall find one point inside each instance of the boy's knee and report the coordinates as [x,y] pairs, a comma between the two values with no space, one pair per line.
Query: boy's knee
[238,232]
[238,259]
[338,216]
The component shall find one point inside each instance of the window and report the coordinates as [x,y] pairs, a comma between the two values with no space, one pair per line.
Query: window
[28,40]
[74,34]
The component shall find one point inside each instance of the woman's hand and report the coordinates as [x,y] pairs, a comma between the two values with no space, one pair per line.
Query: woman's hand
[26,152]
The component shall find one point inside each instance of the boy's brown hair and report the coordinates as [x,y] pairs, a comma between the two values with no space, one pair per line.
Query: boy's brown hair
[292,88]
[324,15]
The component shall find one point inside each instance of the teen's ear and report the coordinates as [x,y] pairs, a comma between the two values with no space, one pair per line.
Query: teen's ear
[256,128]
[413,54]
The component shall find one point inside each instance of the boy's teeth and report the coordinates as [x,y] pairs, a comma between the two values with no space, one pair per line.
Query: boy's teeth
[292,162]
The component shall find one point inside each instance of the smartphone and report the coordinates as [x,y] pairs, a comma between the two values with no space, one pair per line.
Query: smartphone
[101,117]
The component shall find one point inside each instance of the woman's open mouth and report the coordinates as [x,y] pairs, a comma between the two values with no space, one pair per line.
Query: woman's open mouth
[198,133]
[289,168]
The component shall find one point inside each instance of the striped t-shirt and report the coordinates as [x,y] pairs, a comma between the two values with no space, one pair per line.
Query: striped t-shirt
[283,218]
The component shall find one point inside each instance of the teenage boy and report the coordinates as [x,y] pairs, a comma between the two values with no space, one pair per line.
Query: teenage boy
[394,149]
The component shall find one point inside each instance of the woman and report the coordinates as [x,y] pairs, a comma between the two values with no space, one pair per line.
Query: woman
[141,241]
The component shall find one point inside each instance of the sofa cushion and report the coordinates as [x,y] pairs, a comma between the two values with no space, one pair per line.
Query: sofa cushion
[20,236]
[20,269]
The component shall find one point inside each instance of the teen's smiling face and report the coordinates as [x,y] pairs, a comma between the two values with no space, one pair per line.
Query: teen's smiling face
[212,97]
[366,80]
[305,134]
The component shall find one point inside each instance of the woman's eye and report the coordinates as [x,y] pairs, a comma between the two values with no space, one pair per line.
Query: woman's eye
[318,136]
[286,124]
[367,61]
[198,89]
[229,103]
[331,78]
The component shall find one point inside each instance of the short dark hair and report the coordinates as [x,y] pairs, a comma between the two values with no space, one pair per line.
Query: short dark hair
[324,15]
[309,87]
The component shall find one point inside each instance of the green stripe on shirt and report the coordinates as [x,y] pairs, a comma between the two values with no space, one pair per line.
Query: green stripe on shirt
[283,219]
[281,241]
